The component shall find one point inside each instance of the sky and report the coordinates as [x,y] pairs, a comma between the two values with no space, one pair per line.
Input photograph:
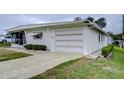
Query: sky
[114,21]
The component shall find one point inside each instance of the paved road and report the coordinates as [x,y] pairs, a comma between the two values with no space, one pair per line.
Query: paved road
[28,67]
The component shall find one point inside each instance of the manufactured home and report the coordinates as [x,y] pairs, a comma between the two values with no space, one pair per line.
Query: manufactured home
[72,36]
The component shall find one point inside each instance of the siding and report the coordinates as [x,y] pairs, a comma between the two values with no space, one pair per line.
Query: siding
[76,39]
[44,41]
[94,44]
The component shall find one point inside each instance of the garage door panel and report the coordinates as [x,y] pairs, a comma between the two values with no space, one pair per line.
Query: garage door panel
[69,43]
[67,32]
[69,40]
[69,37]
[69,49]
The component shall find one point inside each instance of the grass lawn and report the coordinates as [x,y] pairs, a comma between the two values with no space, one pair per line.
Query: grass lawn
[8,44]
[8,55]
[84,68]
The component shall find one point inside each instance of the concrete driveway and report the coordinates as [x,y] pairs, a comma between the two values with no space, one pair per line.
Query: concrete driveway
[28,67]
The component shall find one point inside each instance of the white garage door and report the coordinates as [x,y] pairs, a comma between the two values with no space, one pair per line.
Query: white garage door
[69,41]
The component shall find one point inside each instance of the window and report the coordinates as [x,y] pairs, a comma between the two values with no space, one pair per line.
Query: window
[101,38]
[8,37]
[38,36]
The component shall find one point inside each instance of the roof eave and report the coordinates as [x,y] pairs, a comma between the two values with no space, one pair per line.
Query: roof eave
[19,28]
[25,27]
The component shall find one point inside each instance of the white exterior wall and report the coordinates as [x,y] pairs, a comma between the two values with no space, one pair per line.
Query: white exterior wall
[45,38]
[90,42]
[52,41]
[109,40]
[94,45]
[86,40]
[48,38]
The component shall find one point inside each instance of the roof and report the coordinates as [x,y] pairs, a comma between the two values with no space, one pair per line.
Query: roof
[30,26]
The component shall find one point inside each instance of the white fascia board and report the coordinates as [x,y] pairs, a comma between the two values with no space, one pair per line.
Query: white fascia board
[22,27]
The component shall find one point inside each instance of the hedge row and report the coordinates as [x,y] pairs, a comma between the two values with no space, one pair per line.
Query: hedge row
[107,50]
[35,47]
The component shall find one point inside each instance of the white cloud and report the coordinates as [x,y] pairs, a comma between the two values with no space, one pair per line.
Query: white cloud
[114,23]
[31,19]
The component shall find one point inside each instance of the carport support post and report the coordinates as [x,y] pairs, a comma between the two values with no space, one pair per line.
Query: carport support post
[48,38]
[51,39]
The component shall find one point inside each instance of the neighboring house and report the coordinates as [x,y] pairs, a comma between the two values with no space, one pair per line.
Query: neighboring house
[73,36]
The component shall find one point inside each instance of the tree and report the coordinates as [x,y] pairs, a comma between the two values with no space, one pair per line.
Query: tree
[110,33]
[117,36]
[101,22]
[91,19]
[77,19]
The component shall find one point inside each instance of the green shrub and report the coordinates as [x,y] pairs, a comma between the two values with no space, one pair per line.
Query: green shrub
[42,47]
[28,46]
[35,47]
[107,50]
